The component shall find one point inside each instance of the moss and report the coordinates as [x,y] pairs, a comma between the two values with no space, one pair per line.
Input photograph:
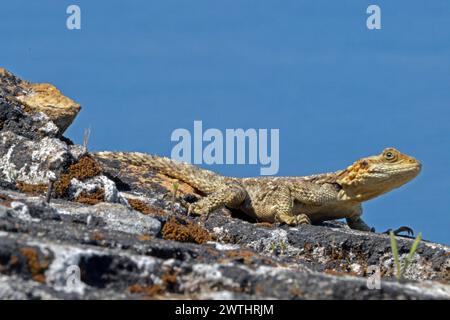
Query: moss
[35,266]
[83,169]
[182,230]
[246,256]
[91,198]
[296,293]
[340,273]
[6,200]
[169,281]
[34,189]
[144,237]
[86,167]
[142,207]
[97,236]
[148,291]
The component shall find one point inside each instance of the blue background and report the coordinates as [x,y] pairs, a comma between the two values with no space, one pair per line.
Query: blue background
[336,90]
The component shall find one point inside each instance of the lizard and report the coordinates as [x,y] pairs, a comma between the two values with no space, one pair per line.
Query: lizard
[290,200]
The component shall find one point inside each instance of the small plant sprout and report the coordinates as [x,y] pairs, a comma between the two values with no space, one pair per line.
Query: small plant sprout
[48,196]
[273,246]
[13,175]
[283,246]
[412,251]
[399,270]
[51,182]
[86,136]
[278,247]
[395,254]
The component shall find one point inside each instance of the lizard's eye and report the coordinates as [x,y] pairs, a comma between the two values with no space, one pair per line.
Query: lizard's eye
[389,156]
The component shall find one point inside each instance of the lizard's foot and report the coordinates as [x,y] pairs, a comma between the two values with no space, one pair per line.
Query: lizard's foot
[230,196]
[294,220]
[408,230]
[303,219]
[195,210]
[356,223]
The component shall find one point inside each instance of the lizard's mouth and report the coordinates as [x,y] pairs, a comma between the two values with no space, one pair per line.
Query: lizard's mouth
[391,177]
[413,168]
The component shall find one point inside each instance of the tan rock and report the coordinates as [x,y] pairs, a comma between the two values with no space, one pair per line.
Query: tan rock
[41,97]
[48,99]
[3,72]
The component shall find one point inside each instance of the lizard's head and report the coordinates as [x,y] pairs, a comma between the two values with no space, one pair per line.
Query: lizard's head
[372,176]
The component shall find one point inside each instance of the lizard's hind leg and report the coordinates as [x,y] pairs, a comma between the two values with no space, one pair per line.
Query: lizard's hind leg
[280,204]
[230,196]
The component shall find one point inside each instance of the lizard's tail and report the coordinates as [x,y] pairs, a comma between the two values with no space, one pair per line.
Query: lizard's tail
[201,179]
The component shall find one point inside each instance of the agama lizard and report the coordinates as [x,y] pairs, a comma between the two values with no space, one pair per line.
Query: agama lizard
[290,200]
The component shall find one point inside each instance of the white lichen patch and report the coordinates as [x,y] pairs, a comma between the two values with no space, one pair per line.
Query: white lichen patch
[120,218]
[21,211]
[49,127]
[357,269]
[205,276]
[224,246]
[43,154]
[8,168]
[277,242]
[89,186]
[63,272]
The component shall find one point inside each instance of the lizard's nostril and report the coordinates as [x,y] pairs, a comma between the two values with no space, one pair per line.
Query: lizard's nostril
[418,164]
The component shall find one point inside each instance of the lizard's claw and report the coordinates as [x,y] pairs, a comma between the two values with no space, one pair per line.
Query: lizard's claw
[204,217]
[408,230]
[294,220]
[302,219]
[193,210]
[196,210]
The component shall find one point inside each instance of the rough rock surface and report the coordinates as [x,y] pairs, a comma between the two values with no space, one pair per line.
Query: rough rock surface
[114,231]
[39,97]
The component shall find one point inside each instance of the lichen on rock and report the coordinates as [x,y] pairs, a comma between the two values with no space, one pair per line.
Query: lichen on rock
[112,231]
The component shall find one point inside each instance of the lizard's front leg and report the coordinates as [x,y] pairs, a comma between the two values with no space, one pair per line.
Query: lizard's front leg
[357,223]
[230,196]
[354,220]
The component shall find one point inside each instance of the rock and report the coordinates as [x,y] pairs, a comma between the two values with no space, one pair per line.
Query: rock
[32,126]
[116,231]
[39,98]
[119,218]
[121,254]
[30,161]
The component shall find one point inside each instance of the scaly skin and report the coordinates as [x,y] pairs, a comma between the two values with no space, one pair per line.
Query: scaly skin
[290,200]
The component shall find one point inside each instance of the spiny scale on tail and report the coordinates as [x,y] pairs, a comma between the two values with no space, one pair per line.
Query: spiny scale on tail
[201,179]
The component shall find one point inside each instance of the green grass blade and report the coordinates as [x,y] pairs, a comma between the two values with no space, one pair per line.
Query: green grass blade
[412,250]
[395,254]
